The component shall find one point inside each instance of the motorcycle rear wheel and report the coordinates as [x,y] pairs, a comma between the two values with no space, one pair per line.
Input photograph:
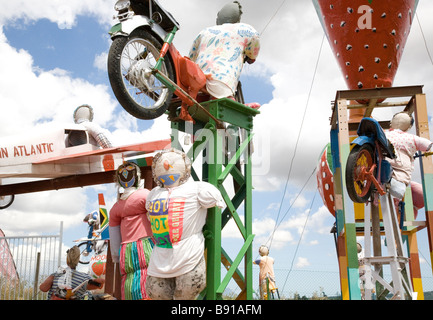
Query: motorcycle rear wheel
[139,92]
[359,188]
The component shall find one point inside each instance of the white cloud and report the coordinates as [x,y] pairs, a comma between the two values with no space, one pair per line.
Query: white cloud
[302,263]
[126,131]
[100,61]
[264,231]
[56,11]
[33,213]
[44,96]
[289,229]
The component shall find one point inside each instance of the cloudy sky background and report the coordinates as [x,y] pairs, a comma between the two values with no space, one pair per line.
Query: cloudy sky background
[54,59]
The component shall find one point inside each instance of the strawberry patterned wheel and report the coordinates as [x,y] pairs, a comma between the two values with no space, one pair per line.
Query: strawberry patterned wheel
[359,162]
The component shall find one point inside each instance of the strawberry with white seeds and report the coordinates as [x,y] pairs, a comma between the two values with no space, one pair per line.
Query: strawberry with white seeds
[367,37]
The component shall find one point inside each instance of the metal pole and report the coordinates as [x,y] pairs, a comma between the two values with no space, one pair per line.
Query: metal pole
[60,244]
[35,285]
[377,247]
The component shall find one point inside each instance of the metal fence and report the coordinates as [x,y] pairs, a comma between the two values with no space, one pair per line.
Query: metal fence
[31,260]
[36,257]
[298,284]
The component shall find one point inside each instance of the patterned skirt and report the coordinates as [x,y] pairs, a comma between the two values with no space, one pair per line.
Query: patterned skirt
[134,259]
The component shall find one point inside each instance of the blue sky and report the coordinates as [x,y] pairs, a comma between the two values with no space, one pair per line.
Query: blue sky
[57,62]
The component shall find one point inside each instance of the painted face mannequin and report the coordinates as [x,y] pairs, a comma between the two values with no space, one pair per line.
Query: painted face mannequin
[402,121]
[128,175]
[230,13]
[171,168]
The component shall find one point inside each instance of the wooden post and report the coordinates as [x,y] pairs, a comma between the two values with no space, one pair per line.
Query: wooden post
[422,130]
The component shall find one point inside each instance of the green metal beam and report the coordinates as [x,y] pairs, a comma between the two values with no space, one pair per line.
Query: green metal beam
[235,264]
[233,212]
[235,158]
[208,140]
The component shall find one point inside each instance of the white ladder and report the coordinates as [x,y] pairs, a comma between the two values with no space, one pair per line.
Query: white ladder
[400,287]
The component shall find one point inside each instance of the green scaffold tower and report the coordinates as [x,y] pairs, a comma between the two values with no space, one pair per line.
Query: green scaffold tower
[225,155]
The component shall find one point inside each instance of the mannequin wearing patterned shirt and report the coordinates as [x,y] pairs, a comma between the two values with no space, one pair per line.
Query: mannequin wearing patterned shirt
[221,50]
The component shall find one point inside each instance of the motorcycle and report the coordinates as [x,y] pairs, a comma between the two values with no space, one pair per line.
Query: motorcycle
[367,170]
[137,41]
[147,74]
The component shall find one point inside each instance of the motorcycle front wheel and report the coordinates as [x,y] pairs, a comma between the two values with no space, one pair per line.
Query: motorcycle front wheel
[360,160]
[130,60]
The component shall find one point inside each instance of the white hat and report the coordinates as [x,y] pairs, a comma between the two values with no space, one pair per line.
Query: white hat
[263,250]
[402,121]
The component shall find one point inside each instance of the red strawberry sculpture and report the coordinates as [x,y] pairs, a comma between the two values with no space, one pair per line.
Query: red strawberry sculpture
[367,37]
[325,179]
[98,268]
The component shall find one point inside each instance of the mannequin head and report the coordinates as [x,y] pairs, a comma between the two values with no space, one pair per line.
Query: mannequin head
[230,13]
[263,250]
[402,121]
[128,175]
[171,168]
[72,257]
[83,113]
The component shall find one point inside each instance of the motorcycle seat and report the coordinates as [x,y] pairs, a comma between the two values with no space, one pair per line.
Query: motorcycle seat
[191,76]
[370,127]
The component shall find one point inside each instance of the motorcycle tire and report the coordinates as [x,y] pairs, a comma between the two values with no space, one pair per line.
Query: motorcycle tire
[359,188]
[138,92]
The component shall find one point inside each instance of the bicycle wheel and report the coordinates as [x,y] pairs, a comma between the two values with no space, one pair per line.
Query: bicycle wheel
[85,256]
[360,160]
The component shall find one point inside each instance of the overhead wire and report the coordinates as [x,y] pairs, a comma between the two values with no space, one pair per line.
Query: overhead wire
[272,18]
[298,137]
[295,150]
[277,224]
[425,41]
[299,241]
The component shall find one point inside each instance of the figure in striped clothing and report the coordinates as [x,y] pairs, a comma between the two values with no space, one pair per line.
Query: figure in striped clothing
[69,283]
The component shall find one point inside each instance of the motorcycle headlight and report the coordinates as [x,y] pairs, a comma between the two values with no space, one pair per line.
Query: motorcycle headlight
[121,5]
